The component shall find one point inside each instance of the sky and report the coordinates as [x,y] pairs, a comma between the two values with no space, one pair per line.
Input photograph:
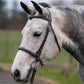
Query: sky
[9,2]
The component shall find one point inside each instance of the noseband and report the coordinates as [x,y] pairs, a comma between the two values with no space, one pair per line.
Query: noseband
[38,53]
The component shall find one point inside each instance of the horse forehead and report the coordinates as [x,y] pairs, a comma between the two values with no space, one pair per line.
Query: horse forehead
[35,24]
[36,21]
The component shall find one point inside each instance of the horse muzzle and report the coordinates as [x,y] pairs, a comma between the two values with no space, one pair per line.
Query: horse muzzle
[17,76]
[30,77]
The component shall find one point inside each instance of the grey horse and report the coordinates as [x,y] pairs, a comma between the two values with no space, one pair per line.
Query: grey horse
[66,31]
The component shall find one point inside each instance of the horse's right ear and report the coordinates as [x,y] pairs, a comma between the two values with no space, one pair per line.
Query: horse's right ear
[25,7]
[40,9]
[37,7]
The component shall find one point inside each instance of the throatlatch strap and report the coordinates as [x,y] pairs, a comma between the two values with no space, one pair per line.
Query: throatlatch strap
[50,20]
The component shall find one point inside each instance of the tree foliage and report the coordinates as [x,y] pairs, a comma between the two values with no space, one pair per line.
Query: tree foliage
[2,5]
[14,9]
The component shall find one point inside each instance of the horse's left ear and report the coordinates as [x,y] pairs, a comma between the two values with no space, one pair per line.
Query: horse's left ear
[41,10]
[37,7]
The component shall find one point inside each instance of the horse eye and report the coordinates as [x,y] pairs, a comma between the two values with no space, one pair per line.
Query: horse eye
[37,34]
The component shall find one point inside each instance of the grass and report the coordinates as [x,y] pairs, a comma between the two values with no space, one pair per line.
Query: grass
[58,77]
[9,43]
[63,58]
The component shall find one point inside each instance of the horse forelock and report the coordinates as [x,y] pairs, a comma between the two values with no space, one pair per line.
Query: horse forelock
[45,5]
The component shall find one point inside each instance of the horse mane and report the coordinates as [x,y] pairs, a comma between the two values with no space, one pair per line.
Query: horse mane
[74,23]
[45,5]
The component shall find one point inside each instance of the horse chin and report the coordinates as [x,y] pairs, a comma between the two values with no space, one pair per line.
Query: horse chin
[21,81]
[29,77]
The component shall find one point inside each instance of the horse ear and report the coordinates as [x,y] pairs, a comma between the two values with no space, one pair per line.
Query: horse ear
[25,7]
[37,7]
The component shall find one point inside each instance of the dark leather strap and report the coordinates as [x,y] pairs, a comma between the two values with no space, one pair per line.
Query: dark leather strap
[53,30]
[49,19]
[33,75]
[38,53]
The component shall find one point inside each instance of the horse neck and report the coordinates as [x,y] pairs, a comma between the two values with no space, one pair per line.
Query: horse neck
[67,27]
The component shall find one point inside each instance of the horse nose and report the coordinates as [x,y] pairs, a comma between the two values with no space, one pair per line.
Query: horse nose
[17,74]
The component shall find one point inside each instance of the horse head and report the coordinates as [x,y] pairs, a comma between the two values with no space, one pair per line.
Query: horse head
[46,32]
[39,43]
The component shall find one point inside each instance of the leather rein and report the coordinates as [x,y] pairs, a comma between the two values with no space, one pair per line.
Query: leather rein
[38,53]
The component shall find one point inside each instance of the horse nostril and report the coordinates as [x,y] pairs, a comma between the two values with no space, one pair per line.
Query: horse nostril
[17,74]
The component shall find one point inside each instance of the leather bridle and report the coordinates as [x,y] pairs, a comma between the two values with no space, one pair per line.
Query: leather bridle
[38,53]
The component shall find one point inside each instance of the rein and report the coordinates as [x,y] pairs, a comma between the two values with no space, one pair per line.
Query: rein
[38,53]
